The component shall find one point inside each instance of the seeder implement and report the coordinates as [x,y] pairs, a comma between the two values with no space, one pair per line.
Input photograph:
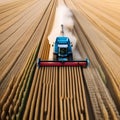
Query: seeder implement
[82,63]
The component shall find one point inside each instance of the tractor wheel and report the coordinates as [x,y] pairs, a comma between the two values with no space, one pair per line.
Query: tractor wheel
[54,57]
[70,57]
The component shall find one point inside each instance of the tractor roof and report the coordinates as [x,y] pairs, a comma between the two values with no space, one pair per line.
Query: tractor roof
[62,40]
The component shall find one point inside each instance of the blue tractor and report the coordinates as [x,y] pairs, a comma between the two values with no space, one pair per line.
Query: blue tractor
[62,49]
[62,54]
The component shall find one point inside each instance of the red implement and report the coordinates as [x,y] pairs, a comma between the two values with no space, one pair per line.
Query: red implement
[83,63]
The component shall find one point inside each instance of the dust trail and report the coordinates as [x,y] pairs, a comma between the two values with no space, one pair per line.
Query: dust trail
[63,16]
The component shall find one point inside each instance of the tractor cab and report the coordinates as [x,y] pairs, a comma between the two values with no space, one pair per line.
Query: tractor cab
[62,49]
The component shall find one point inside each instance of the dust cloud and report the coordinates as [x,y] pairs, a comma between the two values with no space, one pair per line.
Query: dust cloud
[63,16]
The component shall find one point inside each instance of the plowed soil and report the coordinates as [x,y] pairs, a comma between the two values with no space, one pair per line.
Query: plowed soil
[59,93]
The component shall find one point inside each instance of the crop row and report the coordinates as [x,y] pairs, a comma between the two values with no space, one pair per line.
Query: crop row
[91,44]
[13,102]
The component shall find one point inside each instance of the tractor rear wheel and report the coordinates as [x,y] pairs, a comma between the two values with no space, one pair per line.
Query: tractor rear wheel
[54,57]
[70,57]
